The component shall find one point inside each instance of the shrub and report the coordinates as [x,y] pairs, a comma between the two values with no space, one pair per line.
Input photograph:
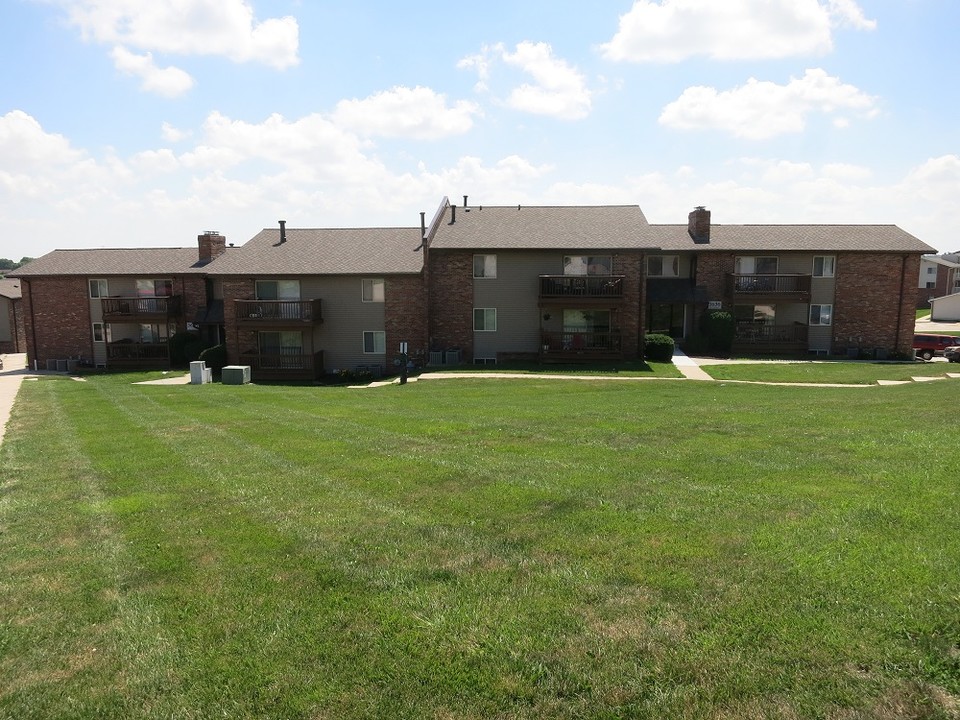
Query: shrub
[658,348]
[719,329]
[181,345]
[215,357]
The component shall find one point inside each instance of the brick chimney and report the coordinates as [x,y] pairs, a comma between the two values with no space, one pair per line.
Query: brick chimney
[212,245]
[698,224]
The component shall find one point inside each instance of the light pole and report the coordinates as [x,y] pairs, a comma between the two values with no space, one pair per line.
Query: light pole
[403,363]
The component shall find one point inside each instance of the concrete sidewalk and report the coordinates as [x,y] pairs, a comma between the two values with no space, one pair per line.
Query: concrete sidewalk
[13,373]
[688,366]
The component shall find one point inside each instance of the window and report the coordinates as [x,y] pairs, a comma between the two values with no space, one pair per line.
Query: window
[98,288]
[756,265]
[278,289]
[154,288]
[374,341]
[824,265]
[484,266]
[101,332]
[759,314]
[821,314]
[663,266]
[587,265]
[373,290]
[484,319]
[931,285]
[931,270]
[152,333]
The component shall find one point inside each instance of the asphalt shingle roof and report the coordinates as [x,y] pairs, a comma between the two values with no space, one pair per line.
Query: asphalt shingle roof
[324,251]
[115,261]
[606,227]
[10,288]
[804,238]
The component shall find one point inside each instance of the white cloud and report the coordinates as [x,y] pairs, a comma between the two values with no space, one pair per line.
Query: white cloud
[848,13]
[418,113]
[672,30]
[169,81]
[559,89]
[760,110]
[171,134]
[188,27]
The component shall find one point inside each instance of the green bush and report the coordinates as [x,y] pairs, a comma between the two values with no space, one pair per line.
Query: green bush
[719,329]
[215,357]
[658,348]
[181,346]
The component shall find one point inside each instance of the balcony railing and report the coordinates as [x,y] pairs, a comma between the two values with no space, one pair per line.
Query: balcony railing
[579,345]
[126,353]
[284,366]
[117,308]
[797,286]
[279,312]
[763,337]
[581,286]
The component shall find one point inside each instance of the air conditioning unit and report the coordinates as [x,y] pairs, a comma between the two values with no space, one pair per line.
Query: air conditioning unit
[453,357]
[436,358]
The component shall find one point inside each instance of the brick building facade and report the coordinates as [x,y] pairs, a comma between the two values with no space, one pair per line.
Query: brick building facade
[493,283]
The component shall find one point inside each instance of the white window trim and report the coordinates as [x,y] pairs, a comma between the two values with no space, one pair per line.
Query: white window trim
[485,311]
[104,332]
[106,288]
[492,276]
[819,322]
[824,273]
[374,333]
[373,283]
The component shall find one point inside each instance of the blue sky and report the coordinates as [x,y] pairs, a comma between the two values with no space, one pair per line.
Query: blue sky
[126,124]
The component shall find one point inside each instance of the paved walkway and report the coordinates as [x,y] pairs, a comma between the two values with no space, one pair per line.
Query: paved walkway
[13,373]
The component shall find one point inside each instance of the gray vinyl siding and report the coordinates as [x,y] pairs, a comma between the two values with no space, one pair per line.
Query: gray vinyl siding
[345,318]
[514,293]
[5,334]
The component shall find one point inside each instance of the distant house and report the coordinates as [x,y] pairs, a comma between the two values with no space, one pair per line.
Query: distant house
[481,285]
[12,338]
[938,276]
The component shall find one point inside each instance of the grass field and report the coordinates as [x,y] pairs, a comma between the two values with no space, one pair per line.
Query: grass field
[479,549]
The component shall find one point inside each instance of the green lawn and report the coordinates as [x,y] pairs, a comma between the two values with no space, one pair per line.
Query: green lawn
[847,372]
[479,549]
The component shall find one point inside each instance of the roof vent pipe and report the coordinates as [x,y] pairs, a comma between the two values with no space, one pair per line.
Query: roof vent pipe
[283,231]
[453,214]
[464,202]
[423,225]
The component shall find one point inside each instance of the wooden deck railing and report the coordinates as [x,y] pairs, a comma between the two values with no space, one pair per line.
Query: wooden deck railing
[581,286]
[763,337]
[135,354]
[279,311]
[280,366]
[119,307]
[768,284]
[570,344]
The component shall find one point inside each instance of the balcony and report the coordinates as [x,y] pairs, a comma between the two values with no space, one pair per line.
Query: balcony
[279,312]
[581,288]
[130,354]
[773,288]
[283,366]
[580,346]
[761,338]
[140,309]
